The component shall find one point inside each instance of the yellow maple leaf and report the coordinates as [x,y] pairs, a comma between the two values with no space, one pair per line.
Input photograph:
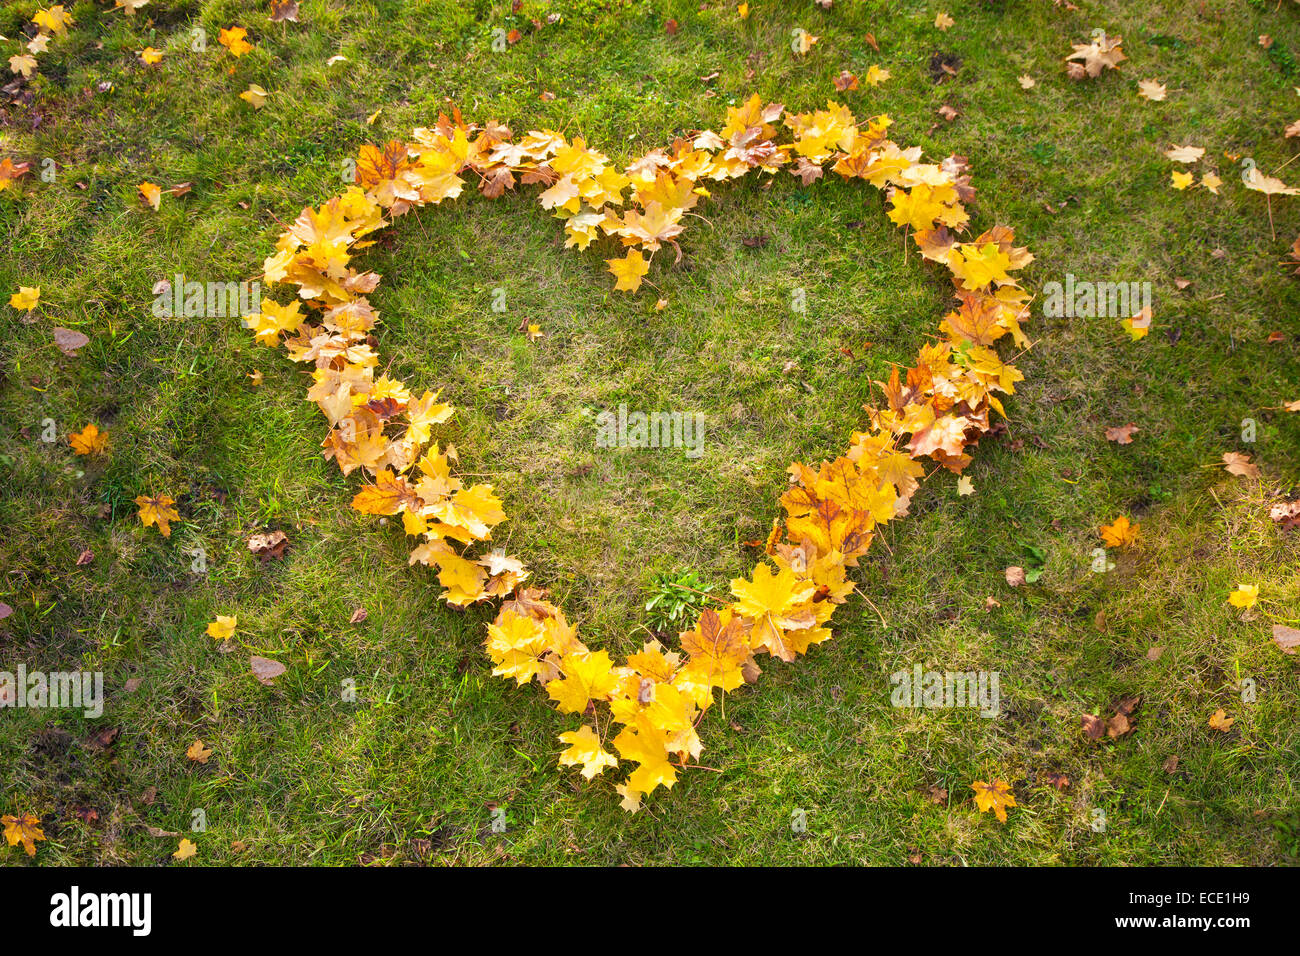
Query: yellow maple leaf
[389,495]
[223,627]
[776,602]
[979,266]
[25,830]
[588,676]
[1120,534]
[422,414]
[1220,721]
[151,56]
[26,298]
[628,270]
[585,749]
[197,752]
[516,644]
[274,319]
[55,19]
[875,75]
[1180,180]
[648,748]
[233,39]
[718,648]
[185,850]
[995,796]
[89,441]
[157,510]
[1245,596]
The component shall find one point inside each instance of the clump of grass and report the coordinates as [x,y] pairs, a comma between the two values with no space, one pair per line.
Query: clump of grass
[676,600]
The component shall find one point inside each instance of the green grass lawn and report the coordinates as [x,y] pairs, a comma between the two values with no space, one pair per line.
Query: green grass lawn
[411,771]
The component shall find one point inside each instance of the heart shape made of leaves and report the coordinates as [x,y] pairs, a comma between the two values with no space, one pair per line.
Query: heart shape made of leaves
[939,409]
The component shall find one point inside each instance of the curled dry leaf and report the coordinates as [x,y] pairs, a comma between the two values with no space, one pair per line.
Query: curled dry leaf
[1058,780]
[1089,59]
[1015,575]
[268,546]
[1286,514]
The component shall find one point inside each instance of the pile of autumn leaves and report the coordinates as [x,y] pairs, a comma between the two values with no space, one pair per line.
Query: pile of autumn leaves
[939,409]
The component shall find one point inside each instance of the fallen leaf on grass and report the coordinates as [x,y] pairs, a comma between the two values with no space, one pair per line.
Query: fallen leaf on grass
[254,96]
[995,796]
[1220,721]
[1026,81]
[1286,514]
[359,615]
[234,40]
[1119,723]
[1015,575]
[1122,434]
[875,75]
[223,627]
[198,753]
[103,739]
[159,511]
[25,830]
[1058,780]
[265,670]
[89,441]
[1185,154]
[1089,59]
[69,340]
[1245,596]
[1121,533]
[1139,325]
[1238,464]
[185,850]
[1286,638]
[151,193]
[1152,90]
[26,298]
[269,545]
[282,10]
